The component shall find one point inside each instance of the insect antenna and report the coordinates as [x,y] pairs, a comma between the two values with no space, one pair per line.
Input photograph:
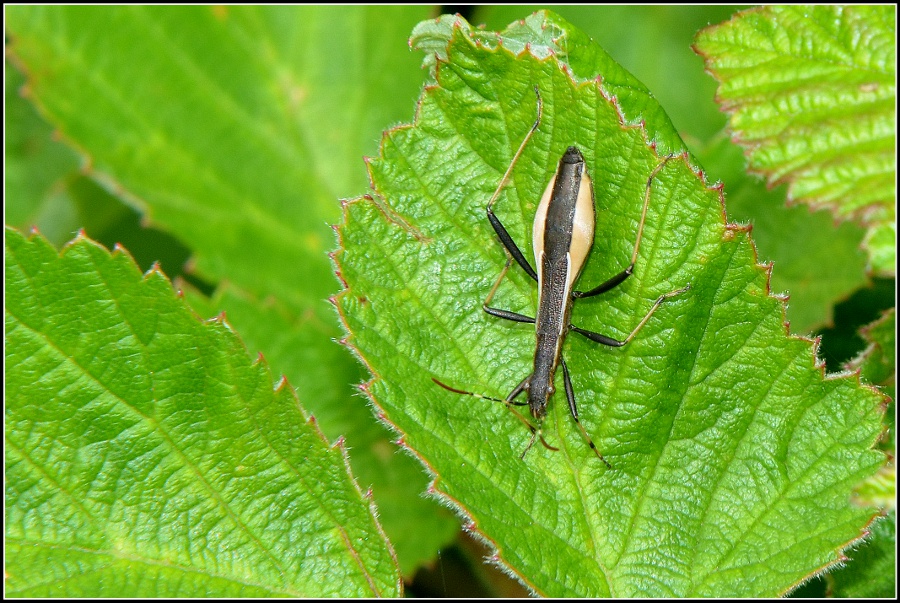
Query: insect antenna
[535,431]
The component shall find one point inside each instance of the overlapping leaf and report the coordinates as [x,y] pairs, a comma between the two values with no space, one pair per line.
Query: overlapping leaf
[870,572]
[878,362]
[811,95]
[146,456]
[733,457]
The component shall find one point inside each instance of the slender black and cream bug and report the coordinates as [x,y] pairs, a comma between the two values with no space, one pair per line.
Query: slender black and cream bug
[563,235]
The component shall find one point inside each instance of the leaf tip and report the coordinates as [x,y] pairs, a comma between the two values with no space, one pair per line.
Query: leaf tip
[335,298]
[282,385]
[314,423]
[733,229]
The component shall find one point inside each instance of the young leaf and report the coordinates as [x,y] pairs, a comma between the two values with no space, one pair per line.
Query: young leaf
[877,364]
[811,96]
[870,572]
[732,456]
[146,456]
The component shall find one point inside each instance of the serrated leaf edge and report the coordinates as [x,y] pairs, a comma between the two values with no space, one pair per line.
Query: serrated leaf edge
[748,148]
[282,385]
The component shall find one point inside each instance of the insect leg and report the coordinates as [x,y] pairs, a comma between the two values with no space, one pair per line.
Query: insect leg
[615,343]
[535,431]
[497,311]
[617,279]
[512,250]
[463,392]
[570,396]
[607,285]
[508,315]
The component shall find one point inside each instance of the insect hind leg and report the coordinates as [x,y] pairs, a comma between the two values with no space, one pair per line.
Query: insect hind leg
[616,343]
[570,397]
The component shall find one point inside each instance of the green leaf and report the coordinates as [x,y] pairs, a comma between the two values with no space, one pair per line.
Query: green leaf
[416,526]
[870,571]
[38,169]
[797,242]
[196,166]
[547,34]
[811,96]
[733,458]
[653,43]
[878,362]
[46,190]
[880,489]
[244,128]
[146,456]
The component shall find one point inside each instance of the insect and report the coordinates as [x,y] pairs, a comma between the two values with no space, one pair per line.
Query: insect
[563,234]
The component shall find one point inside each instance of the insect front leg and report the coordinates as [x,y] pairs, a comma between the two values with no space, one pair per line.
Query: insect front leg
[512,250]
[510,402]
[497,311]
[509,245]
